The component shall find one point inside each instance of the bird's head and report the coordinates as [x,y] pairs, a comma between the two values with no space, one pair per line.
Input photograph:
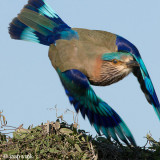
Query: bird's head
[123,61]
[116,66]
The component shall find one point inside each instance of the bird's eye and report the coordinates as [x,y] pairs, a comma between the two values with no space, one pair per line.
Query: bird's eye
[114,61]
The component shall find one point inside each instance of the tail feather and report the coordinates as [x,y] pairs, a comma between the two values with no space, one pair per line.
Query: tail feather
[37,22]
[42,8]
[20,31]
[29,15]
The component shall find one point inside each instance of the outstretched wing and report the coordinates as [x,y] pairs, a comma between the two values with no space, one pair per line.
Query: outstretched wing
[147,86]
[100,114]
[141,73]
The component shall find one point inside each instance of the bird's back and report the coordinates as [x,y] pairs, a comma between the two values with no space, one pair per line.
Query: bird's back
[83,54]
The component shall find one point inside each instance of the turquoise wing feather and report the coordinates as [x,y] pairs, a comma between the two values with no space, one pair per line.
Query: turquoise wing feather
[100,114]
[141,73]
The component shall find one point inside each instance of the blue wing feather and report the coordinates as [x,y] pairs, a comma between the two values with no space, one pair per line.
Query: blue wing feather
[141,73]
[100,114]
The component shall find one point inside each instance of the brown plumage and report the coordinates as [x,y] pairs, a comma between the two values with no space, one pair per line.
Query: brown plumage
[81,54]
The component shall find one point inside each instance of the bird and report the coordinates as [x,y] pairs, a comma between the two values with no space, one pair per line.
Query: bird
[82,58]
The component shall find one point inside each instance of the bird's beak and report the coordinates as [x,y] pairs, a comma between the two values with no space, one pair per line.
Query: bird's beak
[132,63]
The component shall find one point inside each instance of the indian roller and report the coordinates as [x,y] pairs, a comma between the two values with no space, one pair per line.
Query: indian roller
[82,58]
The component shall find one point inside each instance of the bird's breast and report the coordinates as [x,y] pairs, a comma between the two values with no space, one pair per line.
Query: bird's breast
[74,54]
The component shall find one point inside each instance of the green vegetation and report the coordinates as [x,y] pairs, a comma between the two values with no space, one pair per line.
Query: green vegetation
[61,141]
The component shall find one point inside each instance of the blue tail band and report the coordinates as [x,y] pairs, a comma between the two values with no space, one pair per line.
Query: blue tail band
[38,23]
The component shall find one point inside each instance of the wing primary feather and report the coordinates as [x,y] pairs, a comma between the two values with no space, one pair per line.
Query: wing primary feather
[123,45]
[104,119]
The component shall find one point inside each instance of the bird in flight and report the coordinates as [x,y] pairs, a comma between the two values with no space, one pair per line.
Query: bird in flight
[82,58]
